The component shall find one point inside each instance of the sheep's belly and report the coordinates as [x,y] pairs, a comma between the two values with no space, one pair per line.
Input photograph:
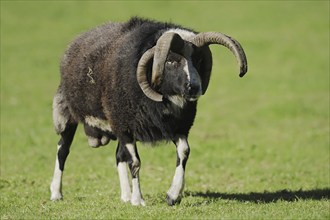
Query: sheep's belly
[98,123]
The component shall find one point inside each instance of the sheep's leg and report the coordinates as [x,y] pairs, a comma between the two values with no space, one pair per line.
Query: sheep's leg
[134,164]
[121,157]
[127,154]
[62,153]
[175,192]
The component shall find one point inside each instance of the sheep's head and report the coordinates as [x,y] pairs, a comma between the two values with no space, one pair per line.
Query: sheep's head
[183,68]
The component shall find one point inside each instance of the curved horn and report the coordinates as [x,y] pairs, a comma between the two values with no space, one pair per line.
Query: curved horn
[167,41]
[234,46]
[141,75]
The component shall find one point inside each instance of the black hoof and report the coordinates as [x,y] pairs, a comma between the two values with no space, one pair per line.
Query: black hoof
[172,202]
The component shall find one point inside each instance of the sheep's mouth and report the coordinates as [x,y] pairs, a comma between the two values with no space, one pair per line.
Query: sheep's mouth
[192,98]
[193,94]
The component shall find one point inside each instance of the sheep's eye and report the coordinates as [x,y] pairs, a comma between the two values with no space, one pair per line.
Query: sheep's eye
[172,62]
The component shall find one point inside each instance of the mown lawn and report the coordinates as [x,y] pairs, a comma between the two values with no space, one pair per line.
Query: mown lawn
[259,145]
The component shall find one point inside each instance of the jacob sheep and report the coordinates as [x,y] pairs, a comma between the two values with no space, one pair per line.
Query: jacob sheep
[134,81]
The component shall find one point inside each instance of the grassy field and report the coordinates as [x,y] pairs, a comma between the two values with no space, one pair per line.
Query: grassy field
[259,146]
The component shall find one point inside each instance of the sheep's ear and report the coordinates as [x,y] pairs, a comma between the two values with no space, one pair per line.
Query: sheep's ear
[205,67]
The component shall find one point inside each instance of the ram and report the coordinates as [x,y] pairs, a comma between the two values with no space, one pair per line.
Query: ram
[134,81]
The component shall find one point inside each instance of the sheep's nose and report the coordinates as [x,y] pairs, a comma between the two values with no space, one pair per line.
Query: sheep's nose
[195,89]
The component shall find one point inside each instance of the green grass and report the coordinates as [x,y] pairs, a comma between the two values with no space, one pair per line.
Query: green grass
[259,145]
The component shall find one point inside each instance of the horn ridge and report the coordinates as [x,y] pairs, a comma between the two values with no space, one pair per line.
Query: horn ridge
[207,38]
[141,75]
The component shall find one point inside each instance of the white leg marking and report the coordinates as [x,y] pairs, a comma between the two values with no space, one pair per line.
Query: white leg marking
[56,185]
[177,183]
[178,179]
[124,182]
[136,193]
[136,190]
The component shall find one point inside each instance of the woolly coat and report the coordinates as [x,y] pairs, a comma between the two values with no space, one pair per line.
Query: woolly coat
[98,78]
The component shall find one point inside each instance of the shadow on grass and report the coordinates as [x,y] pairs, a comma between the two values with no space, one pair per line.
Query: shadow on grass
[267,197]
